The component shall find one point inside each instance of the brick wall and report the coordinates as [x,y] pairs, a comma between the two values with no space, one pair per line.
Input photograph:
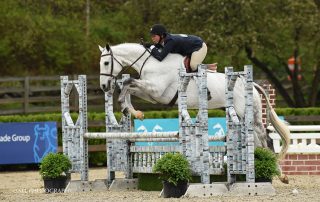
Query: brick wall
[271,92]
[301,164]
[293,164]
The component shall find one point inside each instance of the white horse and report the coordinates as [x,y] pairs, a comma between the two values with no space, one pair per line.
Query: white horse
[158,83]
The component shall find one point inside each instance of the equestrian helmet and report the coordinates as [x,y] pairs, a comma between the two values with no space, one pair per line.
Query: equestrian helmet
[158,29]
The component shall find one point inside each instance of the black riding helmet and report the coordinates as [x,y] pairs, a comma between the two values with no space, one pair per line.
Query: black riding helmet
[158,29]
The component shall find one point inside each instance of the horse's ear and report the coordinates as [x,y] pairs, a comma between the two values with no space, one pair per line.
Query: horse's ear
[108,47]
[100,48]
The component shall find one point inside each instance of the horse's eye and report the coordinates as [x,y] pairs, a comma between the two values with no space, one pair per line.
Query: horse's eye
[106,63]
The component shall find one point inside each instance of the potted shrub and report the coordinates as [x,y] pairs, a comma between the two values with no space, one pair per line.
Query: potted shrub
[265,165]
[175,174]
[53,169]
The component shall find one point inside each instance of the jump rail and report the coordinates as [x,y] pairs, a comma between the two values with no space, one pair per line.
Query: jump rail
[124,155]
[304,139]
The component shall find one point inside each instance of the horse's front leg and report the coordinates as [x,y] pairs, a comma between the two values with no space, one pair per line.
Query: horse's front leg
[125,101]
[126,105]
[138,88]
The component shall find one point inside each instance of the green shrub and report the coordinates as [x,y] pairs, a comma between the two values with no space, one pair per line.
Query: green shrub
[265,164]
[54,165]
[173,168]
[97,158]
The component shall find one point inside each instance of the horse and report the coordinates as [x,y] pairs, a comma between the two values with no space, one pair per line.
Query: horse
[158,83]
[43,143]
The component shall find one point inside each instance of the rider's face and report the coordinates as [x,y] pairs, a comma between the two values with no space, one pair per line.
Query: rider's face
[155,38]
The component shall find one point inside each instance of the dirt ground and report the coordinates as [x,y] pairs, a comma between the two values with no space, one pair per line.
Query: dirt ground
[28,186]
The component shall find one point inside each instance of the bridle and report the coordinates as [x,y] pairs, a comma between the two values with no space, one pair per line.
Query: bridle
[123,68]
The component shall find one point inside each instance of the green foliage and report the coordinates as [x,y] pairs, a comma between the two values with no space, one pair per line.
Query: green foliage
[98,158]
[265,164]
[149,182]
[148,114]
[298,111]
[237,34]
[173,168]
[54,165]
[56,38]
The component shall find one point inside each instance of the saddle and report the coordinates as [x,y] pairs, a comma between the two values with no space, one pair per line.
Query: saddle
[186,62]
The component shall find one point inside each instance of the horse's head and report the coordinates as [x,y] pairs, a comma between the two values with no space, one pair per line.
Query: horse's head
[109,67]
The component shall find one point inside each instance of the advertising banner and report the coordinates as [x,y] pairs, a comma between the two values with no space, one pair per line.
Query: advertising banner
[216,126]
[22,143]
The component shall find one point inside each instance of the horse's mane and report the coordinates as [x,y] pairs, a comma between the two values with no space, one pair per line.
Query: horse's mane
[123,48]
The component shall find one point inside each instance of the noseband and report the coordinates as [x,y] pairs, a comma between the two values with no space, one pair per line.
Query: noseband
[123,69]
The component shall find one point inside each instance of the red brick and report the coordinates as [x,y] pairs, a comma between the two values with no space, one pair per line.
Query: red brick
[306,168]
[296,173]
[318,168]
[318,156]
[303,157]
[299,163]
[286,163]
[312,156]
[314,173]
[293,156]
[288,168]
[312,162]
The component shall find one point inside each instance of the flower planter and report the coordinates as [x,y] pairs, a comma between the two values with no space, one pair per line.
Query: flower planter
[55,185]
[172,191]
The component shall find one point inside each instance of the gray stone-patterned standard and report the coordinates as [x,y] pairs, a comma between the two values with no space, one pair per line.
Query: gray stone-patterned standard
[193,141]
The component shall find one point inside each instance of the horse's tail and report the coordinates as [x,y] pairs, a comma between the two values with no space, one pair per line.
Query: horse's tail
[281,128]
[278,125]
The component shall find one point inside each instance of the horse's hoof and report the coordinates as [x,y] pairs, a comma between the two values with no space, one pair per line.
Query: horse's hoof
[140,115]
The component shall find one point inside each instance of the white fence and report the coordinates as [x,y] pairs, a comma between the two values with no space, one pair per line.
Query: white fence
[305,139]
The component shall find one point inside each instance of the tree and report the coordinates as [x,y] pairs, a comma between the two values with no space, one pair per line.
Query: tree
[41,37]
[52,37]
[264,33]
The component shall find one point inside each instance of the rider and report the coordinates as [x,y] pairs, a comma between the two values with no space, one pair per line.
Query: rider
[190,46]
